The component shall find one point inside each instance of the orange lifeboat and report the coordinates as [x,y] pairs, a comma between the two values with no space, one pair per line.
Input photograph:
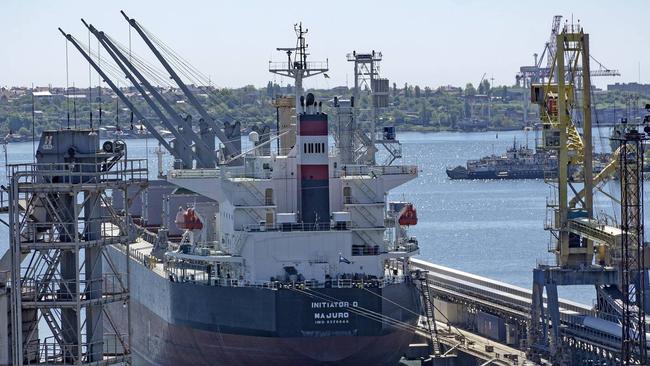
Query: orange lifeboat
[188,219]
[408,216]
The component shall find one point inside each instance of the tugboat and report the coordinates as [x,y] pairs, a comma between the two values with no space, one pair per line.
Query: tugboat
[519,162]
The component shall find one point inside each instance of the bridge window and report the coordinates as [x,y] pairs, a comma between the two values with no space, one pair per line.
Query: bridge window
[313,148]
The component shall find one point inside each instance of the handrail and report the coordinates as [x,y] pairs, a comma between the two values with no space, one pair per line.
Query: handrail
[362,170]
[79,173]
[288,227]
[194,173]
[306,284]
[311,65]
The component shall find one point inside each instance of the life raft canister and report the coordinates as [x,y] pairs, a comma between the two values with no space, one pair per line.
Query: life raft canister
[408,216]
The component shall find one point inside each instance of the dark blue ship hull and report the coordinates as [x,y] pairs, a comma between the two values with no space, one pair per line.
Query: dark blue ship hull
[193,324]
[463,173]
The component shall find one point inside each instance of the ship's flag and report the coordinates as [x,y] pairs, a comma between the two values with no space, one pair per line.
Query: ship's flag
[342,259]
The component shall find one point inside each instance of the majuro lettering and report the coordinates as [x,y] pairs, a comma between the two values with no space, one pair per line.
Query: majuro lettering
[332,317]
[341,315]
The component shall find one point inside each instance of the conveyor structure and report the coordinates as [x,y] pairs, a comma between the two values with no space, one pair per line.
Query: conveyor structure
[586,337]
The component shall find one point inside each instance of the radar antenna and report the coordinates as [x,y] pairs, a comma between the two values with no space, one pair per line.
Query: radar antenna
[297,66]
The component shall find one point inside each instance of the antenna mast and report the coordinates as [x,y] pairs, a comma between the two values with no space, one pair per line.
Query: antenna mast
[297,66]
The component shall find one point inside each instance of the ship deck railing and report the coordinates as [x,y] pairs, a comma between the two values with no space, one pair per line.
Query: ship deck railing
[288,227]
[308,284]
[310,65]
[53,175]
[218,173]
[194,173]
[344,171]
[374,171]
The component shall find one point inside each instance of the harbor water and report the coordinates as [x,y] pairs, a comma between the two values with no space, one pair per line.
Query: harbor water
[489,228]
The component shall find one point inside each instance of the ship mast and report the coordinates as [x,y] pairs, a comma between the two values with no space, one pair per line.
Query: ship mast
[297,66]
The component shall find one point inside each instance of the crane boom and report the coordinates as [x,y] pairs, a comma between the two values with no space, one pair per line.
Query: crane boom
[552,43]
[205,157]
[182,139]
[231,149]
[123,97]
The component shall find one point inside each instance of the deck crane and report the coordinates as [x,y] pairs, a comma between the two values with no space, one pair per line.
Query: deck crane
[232,143]
[206,158]
[184,156]
[577,235]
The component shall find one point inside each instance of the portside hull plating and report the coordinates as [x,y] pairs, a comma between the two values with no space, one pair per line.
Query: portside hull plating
[188,324]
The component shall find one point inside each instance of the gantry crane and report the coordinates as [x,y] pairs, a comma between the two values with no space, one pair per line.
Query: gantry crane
[576,234]
[538,73]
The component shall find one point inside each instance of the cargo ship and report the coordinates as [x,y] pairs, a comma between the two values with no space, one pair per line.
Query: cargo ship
[286,256]
[519,162]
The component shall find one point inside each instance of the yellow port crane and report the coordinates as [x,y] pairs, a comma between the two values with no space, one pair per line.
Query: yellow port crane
[560,133]
[616,274]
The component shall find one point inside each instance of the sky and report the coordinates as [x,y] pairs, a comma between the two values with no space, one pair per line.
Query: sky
[427,43]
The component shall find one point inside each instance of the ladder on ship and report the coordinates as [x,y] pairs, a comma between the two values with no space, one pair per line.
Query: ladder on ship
[429,314]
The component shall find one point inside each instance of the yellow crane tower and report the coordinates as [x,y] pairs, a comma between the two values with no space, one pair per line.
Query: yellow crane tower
[574,151]
[619,272]
[576,234]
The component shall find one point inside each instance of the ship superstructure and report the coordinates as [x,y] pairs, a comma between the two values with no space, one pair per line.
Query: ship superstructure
[285,255]
[305,209]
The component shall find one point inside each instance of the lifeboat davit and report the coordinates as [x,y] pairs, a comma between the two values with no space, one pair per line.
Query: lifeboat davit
[188,219]
[408,216]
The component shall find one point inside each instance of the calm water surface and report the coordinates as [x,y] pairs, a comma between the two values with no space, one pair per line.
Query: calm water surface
[489,228]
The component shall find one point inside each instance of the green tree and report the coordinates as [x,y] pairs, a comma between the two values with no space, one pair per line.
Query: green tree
[269,89]
[467,108]
[425,114]
[486,87]
[470,91]
[417,91]
[398,116]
